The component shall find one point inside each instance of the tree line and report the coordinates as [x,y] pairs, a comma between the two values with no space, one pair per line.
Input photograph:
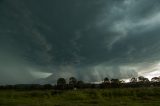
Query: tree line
[108,83]
[73,83]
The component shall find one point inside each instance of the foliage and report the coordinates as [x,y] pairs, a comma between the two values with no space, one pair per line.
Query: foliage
[72,81]
[85,97]
[155,79]
[133,80]
[61,81]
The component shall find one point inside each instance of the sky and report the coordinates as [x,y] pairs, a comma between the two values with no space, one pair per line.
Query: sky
[87,39]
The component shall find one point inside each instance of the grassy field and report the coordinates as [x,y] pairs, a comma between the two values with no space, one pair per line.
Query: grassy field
[87,97]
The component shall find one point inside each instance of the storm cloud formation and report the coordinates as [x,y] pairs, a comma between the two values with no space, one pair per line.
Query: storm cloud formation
[88,39]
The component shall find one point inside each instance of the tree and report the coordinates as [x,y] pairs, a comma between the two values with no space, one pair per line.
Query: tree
[133,80]
[122,81]
[61,81]
[146,80]
[106,80]
[155,79]
[115,81]
[72,81]
[143,79]
[80,84]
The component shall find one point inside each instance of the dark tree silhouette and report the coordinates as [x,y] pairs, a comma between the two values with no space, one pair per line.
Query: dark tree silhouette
[80,84]
[146,80]
[115,81]
[61,81]
[122,81]
[133,80]
[155,79]
[106,80]
[61,84]
[143,79]
[72,81]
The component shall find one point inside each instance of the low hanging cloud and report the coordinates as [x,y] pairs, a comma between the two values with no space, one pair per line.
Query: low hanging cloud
[86,39]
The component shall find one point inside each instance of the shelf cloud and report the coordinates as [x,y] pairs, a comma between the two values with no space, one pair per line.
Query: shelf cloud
[88,39]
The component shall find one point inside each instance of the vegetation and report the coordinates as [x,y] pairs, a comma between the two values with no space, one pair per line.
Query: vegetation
[73,83]
[85,97]
[138,92]
[108,83]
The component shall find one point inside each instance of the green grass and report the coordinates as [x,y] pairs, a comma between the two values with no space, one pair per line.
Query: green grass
[87,97]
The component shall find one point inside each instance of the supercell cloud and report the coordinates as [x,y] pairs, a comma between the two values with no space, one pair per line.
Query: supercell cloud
[88,39]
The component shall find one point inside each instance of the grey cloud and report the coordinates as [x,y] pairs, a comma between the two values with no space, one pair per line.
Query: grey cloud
[87,39]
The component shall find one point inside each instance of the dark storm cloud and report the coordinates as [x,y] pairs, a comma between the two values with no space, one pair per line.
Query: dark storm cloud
[89,39]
